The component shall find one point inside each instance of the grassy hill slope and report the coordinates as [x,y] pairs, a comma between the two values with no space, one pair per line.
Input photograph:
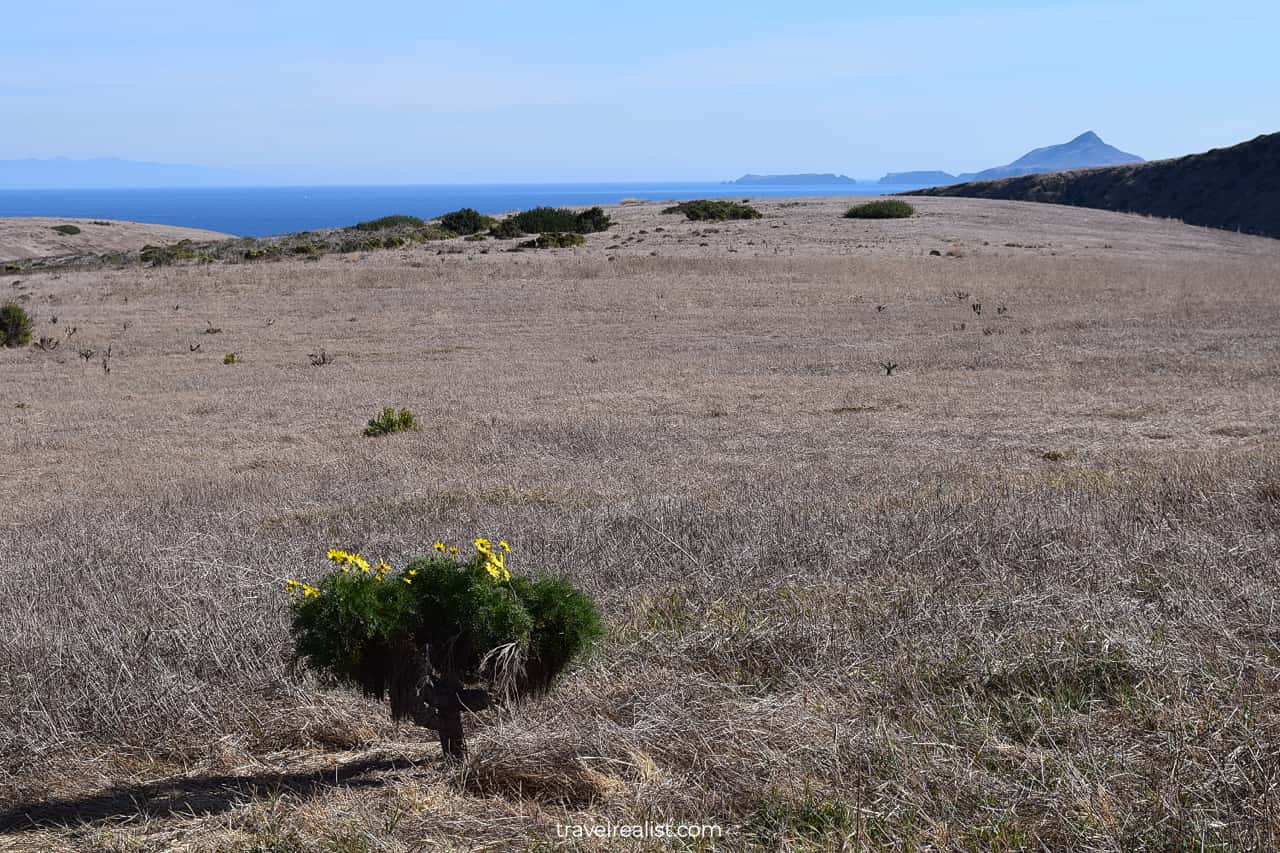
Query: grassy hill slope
[34,237]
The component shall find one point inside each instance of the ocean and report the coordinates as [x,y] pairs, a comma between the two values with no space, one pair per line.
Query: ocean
[264,211]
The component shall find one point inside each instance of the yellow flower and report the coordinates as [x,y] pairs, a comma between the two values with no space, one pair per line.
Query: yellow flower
[453,550]
[407,580]
[382,568]
[291,586]
[439,546]
[481,543]
[338,557]
[310,591]
[413,573]
[504,546]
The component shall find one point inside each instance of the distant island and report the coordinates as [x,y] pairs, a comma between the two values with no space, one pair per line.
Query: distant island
[1236,188]
[794,180]
[926,178]
[1084,152]
[110,173]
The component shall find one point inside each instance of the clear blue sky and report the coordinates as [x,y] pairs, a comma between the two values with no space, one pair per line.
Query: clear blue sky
[504,91]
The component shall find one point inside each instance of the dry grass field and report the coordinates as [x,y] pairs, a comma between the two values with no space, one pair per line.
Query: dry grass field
[1020,594]
[34,237]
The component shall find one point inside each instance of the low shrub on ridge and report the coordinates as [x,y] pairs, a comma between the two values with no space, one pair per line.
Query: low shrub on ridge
[884,209]
[554,240]
[547,220]
[466,221]
[399,220]
[714,210]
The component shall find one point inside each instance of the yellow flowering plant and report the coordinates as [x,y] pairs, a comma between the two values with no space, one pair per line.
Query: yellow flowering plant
[442,635]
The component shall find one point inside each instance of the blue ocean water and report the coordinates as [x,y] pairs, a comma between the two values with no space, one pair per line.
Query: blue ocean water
[263,211]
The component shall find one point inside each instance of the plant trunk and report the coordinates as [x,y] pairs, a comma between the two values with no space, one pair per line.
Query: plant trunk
[440,706]
[452,743]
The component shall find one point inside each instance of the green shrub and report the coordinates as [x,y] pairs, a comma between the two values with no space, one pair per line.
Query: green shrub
[714,210]
[66,229]
[392,421]
[507,229]
[554,240]
[593,220]
[890,208]
[466,221]
[398,220]
[229,358]
[443,635]
[257,253]
[542,220]
[15,326]
[158,256]
[547,220]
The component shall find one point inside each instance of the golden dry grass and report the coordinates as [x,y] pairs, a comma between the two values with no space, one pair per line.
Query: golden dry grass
[32,237]
[1021,592]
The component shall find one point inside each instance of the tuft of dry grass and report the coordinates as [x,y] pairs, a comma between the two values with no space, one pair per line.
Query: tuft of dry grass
[847,610]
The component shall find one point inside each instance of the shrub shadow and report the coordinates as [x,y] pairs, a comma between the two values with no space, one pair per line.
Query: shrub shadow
[198,795]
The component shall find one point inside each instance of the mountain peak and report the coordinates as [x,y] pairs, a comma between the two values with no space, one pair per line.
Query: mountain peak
[1087,136]
[1084,152]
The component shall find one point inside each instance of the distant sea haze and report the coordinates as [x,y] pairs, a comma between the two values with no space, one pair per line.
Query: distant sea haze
[263,211]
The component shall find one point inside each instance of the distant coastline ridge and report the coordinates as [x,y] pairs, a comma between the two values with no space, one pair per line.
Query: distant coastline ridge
[1086,151]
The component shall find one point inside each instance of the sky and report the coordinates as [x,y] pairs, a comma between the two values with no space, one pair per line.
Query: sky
[424,92]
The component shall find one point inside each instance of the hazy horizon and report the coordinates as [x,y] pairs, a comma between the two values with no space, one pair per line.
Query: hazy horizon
[292,94]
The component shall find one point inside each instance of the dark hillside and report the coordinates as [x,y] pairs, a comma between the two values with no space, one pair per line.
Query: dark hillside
[1236,188]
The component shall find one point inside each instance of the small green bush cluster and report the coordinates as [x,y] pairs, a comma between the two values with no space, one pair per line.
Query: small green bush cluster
[66,229]
[466,221]
[442,635]
[507,229]
[392,421]
[714,210]
[230,358]
[547,220]
[593,220]
[158,256]
[257,253]
[384,223]
[554,240]
[884,209]
[15,326]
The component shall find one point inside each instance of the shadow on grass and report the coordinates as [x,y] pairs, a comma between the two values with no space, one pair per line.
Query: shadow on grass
[197,795]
